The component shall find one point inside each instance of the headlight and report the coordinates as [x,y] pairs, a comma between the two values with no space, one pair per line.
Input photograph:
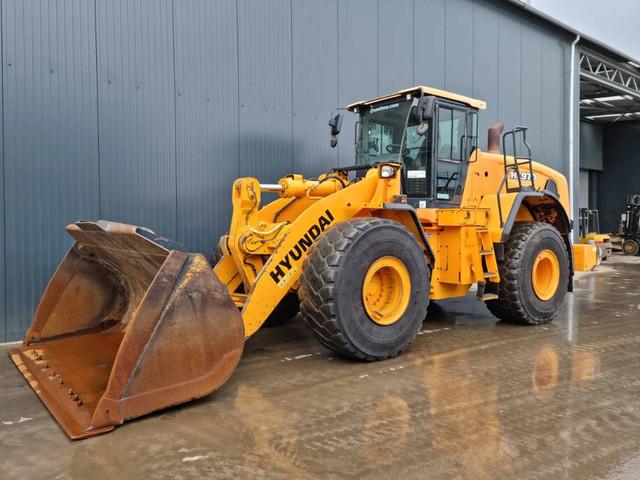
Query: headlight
[387,171]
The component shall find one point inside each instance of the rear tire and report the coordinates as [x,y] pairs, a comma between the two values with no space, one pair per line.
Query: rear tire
[286,310]
[216,256]
[518,300]
[332,288]
[216,252]
[631,247]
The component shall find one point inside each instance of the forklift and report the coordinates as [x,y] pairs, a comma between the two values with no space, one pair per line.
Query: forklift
[630,226]
[589,229]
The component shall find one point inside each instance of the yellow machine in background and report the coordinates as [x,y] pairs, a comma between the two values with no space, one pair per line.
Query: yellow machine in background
[422,214]
[586,257]
[589,231]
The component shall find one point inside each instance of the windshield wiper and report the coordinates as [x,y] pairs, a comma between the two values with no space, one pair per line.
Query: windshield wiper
[353,168]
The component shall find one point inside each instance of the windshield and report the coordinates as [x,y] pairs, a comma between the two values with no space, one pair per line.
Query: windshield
[389,133]
[381,131]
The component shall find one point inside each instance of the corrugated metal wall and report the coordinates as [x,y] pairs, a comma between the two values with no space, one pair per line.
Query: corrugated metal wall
[145,111]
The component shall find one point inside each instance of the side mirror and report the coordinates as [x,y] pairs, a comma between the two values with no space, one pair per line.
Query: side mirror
[423,128]
[426,105]
[335,124]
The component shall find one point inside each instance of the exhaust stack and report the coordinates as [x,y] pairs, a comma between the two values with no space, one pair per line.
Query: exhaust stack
[493,137]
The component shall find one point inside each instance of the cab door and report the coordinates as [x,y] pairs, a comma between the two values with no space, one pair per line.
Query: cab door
[454,140]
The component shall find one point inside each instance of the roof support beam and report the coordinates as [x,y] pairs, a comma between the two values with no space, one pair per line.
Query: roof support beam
[613,76]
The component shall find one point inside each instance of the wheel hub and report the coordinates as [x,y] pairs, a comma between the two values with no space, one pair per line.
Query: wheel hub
[630,247]
[386,290]
[545,275]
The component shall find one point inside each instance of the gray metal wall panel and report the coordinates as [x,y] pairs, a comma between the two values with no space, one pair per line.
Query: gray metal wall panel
[621,172]
[315,84]
[265,76]
[206,119]
[531,84]
[591,138]
[553,105]
[357,63]
[485,64]
[592,201]
[458,64]
[50,142]
[137,113]
[395,45]
[509,68]
[429,42]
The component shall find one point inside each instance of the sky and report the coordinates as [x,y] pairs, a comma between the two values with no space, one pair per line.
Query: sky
[613,22]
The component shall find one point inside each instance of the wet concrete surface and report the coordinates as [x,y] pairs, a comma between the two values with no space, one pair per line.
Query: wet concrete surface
[471,398]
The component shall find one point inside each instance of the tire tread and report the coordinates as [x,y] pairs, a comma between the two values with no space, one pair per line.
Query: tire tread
[509,306]
[317,290]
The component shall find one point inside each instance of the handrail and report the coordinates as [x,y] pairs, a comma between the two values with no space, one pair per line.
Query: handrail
[518,160]
[502,184]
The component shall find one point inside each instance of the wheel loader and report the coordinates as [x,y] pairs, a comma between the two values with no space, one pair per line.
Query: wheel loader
[131,323]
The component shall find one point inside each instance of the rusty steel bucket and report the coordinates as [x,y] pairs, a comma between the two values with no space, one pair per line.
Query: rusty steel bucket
[128,324]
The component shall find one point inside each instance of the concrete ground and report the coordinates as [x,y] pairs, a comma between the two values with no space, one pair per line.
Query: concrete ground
[469,399]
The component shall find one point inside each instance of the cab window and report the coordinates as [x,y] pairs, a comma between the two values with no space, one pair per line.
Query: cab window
[451,152]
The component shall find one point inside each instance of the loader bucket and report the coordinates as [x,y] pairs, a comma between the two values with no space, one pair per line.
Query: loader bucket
[127,325]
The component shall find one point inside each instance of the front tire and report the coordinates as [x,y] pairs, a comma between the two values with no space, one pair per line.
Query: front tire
[534,275]
[364,288]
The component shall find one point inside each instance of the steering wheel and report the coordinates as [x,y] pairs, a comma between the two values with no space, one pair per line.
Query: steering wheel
[393,147]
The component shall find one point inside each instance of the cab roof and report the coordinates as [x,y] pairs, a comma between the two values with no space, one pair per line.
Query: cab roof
[472,102]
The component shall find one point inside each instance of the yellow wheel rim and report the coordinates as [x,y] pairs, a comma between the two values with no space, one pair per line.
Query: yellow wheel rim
[546,368]
[386,290]
[545,275]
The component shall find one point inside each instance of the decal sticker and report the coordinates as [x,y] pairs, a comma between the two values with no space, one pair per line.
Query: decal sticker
[416,174]
[384,107]
[285,269]
[526,176]
[287,276]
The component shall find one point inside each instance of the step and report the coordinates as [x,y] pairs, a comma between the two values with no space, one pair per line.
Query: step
[489,296]
[490,274]
[486,252]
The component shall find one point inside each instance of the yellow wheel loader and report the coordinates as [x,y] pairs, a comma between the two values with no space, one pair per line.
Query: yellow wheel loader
[130,323]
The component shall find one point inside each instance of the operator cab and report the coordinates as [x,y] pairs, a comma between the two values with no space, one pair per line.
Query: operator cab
[432,133]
